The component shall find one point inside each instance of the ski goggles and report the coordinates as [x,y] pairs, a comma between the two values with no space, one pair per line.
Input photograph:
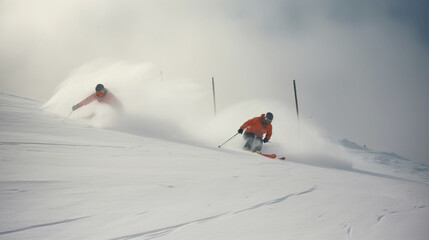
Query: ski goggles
[268,120]
[100,93]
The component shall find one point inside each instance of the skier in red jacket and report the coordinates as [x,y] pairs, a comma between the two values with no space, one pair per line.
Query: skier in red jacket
[254,129]
[101,95]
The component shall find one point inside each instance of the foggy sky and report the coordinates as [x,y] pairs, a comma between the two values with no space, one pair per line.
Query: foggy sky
[361,66]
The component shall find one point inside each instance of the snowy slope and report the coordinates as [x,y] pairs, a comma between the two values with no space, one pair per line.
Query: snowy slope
[60,179]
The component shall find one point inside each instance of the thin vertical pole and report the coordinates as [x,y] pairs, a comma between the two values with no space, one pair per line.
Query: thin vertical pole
[214,96]
[296,99]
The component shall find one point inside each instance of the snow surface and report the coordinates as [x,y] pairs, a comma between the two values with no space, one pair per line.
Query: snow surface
[63,179]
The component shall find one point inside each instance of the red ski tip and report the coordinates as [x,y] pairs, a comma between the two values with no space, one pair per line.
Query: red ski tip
[272,156]
[269,155]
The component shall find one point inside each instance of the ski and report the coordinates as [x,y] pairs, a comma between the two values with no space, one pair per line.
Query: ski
[273,156]
[268,155]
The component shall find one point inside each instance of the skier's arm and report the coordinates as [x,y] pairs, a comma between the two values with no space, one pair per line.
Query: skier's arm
[248,123]
[86,101]
[269,132]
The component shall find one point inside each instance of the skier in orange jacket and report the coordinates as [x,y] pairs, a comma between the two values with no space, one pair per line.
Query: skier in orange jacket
[101,95]
[254,130]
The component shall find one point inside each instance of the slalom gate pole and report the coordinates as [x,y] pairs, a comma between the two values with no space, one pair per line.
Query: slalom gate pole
[296,100]
[214,96]
[227,140]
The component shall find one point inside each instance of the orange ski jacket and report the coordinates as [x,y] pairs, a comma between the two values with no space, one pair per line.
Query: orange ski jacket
[108,98]
[258,127]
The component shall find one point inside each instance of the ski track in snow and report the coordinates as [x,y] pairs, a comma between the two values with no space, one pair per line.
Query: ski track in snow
[348,228]
[166,230]
[381,217]
[58,144]
[42,225]
[380,175]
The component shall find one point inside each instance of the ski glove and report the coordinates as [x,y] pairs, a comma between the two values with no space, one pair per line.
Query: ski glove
[265,140]
[75,107]
[240,131]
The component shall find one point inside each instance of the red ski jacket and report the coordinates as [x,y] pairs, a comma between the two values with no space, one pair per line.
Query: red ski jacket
[258,127]
[108,98]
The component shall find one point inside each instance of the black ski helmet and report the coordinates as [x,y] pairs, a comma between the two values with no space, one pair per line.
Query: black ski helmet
[99,87]
[269,116]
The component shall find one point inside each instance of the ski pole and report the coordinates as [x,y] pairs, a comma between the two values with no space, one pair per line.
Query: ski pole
[228,140]
[66,118]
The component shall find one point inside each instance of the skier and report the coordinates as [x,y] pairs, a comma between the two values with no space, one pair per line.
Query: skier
[254,130]
[101,95]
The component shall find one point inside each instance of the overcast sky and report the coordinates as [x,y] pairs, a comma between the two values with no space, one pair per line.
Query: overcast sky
[361,66]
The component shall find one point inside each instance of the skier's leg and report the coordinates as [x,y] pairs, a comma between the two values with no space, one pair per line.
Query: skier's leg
[257,145]
[249,137]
